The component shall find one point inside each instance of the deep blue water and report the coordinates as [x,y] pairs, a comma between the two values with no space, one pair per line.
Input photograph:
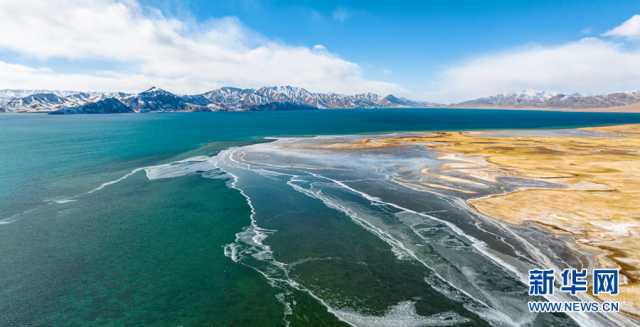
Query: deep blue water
[144,252]
[40,153]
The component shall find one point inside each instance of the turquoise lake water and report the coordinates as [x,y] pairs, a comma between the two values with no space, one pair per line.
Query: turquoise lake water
[88,236]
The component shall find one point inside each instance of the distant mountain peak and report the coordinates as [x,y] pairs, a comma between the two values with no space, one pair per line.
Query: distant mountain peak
[155,89]
[278,97]
[104,106]
[546,99]
[536,93]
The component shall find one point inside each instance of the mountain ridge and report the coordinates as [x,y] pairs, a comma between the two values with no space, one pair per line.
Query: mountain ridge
[551,100]
[288,97]
[156,99]
[104,106]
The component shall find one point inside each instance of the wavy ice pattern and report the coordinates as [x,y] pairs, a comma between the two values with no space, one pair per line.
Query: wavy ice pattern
[471,259]
[467,258]
[403,314]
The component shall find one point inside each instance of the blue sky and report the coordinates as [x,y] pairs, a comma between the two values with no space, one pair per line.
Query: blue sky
[443,50]
[413,39]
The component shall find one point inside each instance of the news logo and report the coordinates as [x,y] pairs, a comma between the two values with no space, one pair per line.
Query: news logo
[605,281]
[541,281]
[574,281]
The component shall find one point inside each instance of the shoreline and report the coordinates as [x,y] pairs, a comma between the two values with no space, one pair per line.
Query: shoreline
[602,238]
[595,170]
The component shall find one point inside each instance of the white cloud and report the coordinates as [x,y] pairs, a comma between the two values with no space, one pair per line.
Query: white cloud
[189,57]
[16,76]
[629,29]
[591,65]
[319,47]
[181,56]
[588,66]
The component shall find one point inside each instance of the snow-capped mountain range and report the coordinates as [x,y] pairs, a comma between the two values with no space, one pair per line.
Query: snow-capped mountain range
[46,100]
[223,99]
[278,98]
[538,99]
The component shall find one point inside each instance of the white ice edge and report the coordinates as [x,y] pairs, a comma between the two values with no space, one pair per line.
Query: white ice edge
[203,163]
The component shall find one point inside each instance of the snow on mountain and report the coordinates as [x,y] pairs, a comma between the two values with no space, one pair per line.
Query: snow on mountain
[278,97]
[7,95]
[232,98]
[156,99]
[104,106]
[286,94]
[394,101]
[36,102]
[226,98]
[47,100]
[537,99]
[15,93]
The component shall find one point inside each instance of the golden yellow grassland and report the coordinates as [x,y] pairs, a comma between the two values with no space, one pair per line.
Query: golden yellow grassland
[599,205]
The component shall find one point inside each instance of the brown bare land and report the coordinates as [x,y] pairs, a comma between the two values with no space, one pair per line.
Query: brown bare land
[598,205]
